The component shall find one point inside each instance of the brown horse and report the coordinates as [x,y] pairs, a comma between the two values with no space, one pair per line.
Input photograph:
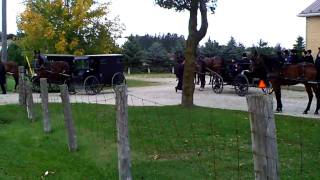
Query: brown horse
[56,72]
[289,74]
[12,69]
[206,64]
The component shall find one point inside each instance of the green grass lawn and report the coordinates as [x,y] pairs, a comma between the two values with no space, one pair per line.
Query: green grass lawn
[166,143]
[140,83]
[10,84]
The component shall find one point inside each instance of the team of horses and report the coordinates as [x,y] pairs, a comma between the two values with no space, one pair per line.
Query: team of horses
[271,69]
[55,72]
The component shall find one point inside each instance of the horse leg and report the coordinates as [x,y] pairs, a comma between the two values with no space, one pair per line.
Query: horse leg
[277,92]
[16,80]
[196,78]
[202,81]
[310,96]
[316,91]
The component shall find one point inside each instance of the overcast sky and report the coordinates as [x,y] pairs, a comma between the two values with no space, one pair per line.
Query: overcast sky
[274,21]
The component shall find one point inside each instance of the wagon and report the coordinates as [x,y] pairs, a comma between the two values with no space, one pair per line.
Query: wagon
[240,80]
[93,72]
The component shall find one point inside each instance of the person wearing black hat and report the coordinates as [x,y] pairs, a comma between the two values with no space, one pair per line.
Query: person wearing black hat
[244,63]
[308,57]
[294,57]
[3,78]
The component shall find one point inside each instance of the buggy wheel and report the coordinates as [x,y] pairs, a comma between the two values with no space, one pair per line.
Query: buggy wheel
[216,83]
[241,85]
[118,79]
[91,85]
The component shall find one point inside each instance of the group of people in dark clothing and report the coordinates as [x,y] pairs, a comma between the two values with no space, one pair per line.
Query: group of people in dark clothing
[293,57]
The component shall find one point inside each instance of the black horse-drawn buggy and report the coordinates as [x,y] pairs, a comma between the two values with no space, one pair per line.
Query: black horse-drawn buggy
[90,72]
[238,74]
[94,72]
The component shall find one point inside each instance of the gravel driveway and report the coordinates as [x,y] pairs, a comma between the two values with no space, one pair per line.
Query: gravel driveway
[294,102]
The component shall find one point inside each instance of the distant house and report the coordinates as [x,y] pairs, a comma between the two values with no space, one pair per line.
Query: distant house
[312,14]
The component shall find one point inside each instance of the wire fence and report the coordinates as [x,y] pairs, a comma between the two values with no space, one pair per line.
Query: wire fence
[172,142]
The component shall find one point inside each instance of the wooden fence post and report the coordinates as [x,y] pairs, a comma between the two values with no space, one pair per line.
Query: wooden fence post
[124,161]
[263,136]
[29,101]
[44,104]
[72,138]
[22,91]
[172,70]
[129,71]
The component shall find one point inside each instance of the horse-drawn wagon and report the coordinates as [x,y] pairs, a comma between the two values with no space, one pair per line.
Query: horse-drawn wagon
[90,72]
[237,74]
[93,72]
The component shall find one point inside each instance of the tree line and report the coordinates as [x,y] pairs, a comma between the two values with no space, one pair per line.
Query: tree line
[160,51]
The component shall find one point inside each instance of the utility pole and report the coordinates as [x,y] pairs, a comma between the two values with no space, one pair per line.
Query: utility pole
[4,54]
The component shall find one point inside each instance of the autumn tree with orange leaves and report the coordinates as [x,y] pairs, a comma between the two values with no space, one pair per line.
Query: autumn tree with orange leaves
[81,27]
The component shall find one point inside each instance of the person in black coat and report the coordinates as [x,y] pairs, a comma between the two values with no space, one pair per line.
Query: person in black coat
[295,59]
[317,64]
[179,74]
[3,78]
[308,57]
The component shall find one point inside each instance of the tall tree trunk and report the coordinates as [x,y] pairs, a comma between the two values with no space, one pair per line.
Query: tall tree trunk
[193,40]
[188,75]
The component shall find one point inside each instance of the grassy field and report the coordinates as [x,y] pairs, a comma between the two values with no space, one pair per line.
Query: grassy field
[10,84]
[166,143]
[140,83]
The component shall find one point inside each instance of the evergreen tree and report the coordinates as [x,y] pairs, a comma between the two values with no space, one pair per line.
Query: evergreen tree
[133,53]
[157,55]
[263,48]
[231,51]
[15,54]
[299,45]
[278,48]
[210,48]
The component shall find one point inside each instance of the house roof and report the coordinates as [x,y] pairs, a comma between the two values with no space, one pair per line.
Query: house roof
[312,10]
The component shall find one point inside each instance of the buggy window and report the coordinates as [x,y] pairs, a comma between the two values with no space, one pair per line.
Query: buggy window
[81,64]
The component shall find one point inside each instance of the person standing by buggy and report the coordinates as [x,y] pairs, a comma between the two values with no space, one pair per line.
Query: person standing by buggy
[3,78]
[179,75]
